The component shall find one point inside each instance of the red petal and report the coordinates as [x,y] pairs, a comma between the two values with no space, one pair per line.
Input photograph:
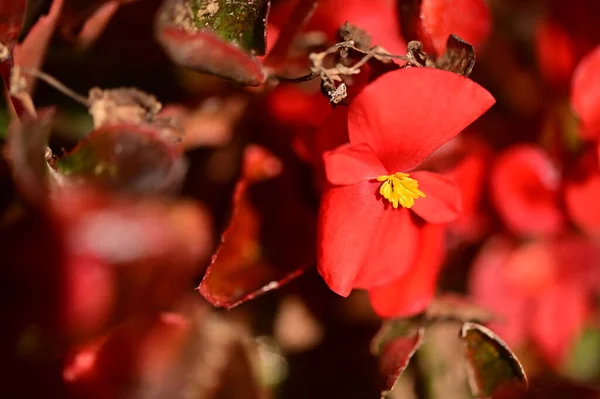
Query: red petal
[350,164]
[413,292]
[378,18]
[407,114]
[491,290]
[524,187]
[468,19]
[581,199]
[442,203]
[559,318]
[555,52]
[585,93]
[363,242]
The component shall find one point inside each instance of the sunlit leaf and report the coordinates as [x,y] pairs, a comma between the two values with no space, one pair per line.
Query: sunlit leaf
[396,343]
[491,365]
[216,36]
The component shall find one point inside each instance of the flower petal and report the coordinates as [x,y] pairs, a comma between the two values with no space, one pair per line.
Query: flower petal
[362,241]
[407,114]
[585,94]
[350,164]
[442,202]
[524,189]
[413,292]
[581,200]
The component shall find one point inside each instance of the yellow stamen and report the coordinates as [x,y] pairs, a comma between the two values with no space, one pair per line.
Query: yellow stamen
[400,189]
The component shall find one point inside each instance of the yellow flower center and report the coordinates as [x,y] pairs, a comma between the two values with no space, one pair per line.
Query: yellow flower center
[400,189]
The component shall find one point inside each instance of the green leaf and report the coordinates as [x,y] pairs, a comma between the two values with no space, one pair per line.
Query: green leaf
[131,158]
[220,37]
[492,366]
[240,22]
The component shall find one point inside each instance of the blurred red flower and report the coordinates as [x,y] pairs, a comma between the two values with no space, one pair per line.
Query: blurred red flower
[367,235]
[524,188]
[531,287]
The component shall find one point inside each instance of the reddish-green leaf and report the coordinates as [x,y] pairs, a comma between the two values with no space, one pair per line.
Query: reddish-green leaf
[396,343]
[269,240]
[131,158]
[492,366]
[216,36]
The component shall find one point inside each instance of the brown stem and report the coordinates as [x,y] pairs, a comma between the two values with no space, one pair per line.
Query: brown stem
[52,81]
[300,16]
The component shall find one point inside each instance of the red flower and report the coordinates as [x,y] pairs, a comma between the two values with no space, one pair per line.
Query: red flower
[585,94]
[524,188]
[532,286]
[368,219]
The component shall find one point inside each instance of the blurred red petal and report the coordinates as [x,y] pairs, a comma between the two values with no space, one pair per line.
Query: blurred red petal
[524,187]
[490,290]
[430,106]
[362,241]
[442,203]
[585,94]
[555,52]
[581,199]
[378,18]
[296,106]
[559,318]
[468,19]
[96,24]
[350,164]
[413,292]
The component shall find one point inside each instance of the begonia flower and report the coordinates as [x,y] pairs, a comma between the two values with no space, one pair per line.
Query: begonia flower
[524,189]
[585,94]
[368,217]
[532,286]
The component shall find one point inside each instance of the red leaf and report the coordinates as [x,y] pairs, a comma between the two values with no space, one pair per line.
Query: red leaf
[30,53]
[269,240]
[395,355]
[205,52]
[12,13]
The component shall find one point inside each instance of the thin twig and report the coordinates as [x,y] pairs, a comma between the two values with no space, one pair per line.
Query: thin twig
[300,16]
[52,81]
[300,79]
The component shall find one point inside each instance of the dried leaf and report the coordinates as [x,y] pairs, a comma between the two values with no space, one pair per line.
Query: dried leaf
[128,158]
[458,58]
[122,105]
[491,365]
[269,240]
[395,344]
[415,54]
[209,40]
